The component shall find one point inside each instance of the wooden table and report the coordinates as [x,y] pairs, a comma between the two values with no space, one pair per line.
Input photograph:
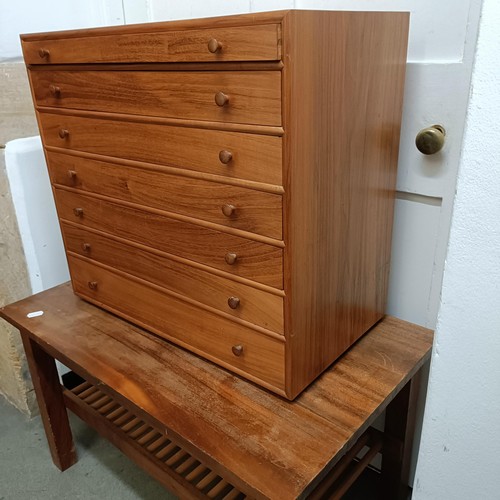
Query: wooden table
[202,431]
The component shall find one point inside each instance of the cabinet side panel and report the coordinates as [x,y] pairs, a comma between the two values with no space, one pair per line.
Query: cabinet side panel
[344,85]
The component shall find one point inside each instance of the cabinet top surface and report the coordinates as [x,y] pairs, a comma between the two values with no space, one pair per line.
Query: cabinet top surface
[199,23]
[249,431]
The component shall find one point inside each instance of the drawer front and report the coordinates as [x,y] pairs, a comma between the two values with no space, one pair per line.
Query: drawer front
[250,97]
[245,43]
[252,157]
[203,332]
[231,206]
[248,303]
[254,260]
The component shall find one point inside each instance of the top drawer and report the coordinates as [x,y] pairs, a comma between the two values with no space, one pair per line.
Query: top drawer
[243,43]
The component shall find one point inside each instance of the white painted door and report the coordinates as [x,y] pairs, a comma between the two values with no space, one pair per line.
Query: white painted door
[440,54]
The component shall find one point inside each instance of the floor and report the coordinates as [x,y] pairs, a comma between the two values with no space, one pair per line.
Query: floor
[102,472]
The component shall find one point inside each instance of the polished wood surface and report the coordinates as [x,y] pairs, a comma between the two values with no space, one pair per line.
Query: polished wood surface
[256,43]
[157,454]
[187,324]
[257,306]
[258,261]
[262,444]
[252,97]
[343,92]
[252,210]
[255,157]
[273,163]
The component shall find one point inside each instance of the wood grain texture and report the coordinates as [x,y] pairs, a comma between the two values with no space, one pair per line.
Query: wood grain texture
[255,157]
[256,306]
[253,97]
[255,211]
[257,261]
[343,91]
[50,402]
[334,160]
[211,410]
[195,329]
[257,43]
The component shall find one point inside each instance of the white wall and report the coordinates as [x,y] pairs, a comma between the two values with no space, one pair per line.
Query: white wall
[460,450]
[30,16]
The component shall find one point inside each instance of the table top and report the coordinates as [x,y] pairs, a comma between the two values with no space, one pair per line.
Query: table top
[259,440]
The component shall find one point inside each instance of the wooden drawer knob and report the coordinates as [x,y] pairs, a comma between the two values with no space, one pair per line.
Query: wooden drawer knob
[43,53]
[221,99]
[92,285]
[225,156]
[230,258]
[233,302]
[237,350]
[228,210]
[72,174]
[55,90]
[214,45]
[63,133]
[78,212]
[86,247]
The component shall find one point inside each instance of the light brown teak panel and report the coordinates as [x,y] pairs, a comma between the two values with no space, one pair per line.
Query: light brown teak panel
[297,181]
[260,357]
[252,97]
[261,307]
[343,96]
[253,157]
[255,260]
[241,208]
[255,43]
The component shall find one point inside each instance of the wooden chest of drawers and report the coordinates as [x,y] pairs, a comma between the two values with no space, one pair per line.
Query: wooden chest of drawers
[228,183]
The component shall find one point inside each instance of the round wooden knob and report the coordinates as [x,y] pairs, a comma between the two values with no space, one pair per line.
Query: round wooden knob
[221,99]
[78,212]
[72,174]
[225,156]
[228,210]
[237,350]
[230,258]
[86,247]
[55,90]
[43,53]
[233,302]
[214,45]
[63,133]
[92,285]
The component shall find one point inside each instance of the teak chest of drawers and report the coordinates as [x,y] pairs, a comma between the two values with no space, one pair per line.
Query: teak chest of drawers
[228,183]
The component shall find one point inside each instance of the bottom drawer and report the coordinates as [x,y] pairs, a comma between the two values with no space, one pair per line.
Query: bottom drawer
[242,350]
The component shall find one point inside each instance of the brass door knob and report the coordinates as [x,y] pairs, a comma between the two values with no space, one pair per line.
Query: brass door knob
[230,258]
[228,210]
[430,140]
[214,45]
[233,302]
[237,350]
[221,99]
[225,156]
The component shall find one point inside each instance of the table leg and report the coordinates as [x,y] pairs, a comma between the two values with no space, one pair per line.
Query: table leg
[398,435]
[51,403]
